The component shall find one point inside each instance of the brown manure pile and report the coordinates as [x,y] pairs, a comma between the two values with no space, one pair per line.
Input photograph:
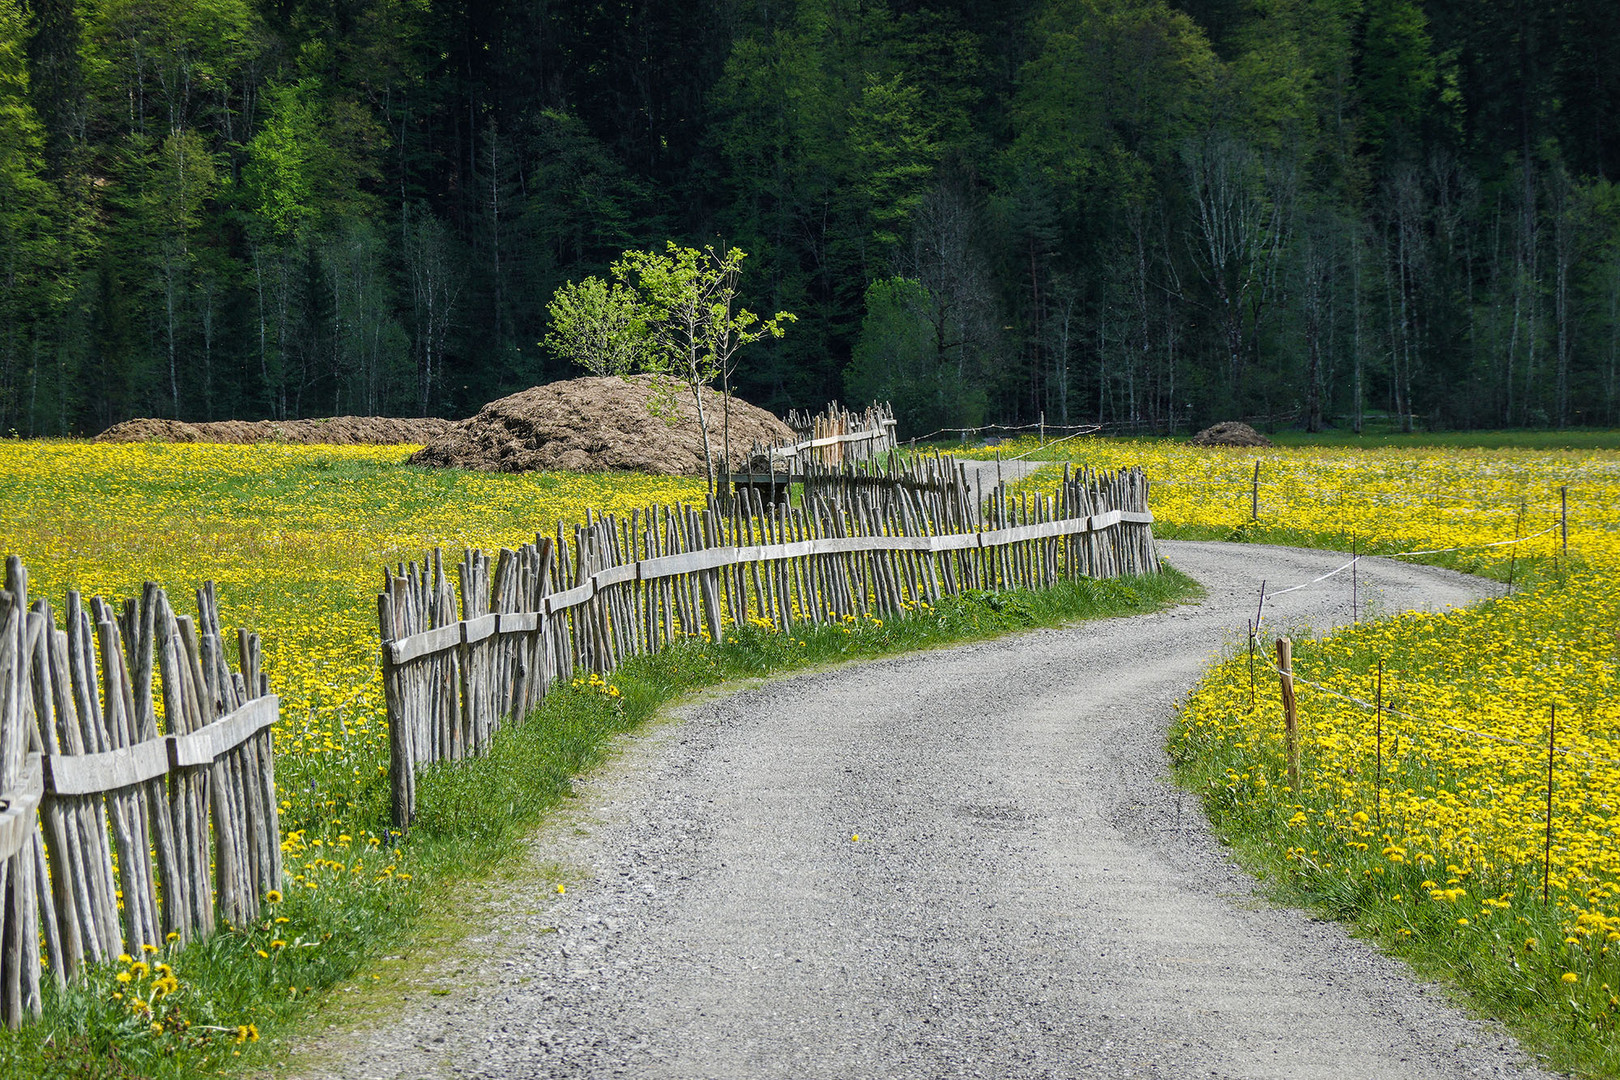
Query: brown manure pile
[596,423]
[1230,433]
[332,431]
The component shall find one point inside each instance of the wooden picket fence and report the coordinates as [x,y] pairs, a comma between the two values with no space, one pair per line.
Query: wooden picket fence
[614,587]
[834,436]
[124,824]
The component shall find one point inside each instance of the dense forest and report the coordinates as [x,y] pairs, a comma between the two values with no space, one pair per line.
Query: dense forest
[1140,212]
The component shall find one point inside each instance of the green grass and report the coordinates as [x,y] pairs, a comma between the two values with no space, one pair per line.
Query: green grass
[470,819]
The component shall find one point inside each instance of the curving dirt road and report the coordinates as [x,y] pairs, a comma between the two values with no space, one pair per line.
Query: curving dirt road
[1028,896]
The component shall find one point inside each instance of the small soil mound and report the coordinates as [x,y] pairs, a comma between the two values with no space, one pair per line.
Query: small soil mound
[1230,433]
[594,424]
[333,431]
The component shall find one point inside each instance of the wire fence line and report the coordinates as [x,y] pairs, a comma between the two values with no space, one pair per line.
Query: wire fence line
[1355,560]
[1430,721]
[1166,425]
[888,538]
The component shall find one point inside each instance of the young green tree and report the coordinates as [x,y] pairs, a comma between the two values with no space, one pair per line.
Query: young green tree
[694,326]
[672,313]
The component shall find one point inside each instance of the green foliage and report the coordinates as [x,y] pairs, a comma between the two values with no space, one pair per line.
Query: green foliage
[692,324]
[599,326]
[30,282]
[1401,73]
[895,152]
[170,63]
[1114,89]
[306,165]
[672,313]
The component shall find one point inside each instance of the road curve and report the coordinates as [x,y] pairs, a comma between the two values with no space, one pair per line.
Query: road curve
[1029,897]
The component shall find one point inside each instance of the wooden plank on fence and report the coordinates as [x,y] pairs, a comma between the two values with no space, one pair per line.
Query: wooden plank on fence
[202,746]
[955,542]
[109,770]
[687,562]
[616,575]
[426,643]
[518,622]
[476,630]
[570,598]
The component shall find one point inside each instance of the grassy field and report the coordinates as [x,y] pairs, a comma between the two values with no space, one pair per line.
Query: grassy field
[296,537]
[1424,825]
[1425,822]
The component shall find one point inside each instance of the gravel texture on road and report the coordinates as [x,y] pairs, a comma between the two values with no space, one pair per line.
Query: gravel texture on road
[1029,895]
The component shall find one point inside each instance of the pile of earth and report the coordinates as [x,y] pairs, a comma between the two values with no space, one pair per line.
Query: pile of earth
[638,423]
[334,430]
[1230,433]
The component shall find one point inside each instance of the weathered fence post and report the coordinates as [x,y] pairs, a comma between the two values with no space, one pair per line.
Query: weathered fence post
[1378,747]
[85,770]
[1563,518]
[1285,669]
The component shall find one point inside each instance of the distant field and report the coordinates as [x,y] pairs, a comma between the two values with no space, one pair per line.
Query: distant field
[1374,435]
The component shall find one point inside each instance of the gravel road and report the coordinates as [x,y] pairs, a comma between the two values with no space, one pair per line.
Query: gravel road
[1029,897]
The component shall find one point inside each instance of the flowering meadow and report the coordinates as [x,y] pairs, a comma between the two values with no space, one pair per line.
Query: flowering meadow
[1422,810]
[295,538]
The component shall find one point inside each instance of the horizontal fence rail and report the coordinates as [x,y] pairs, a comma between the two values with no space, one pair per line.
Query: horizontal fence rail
[872,544]
[126,818]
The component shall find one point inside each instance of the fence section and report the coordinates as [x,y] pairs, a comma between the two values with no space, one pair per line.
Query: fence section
[615,587]
[137,780]
[834,436]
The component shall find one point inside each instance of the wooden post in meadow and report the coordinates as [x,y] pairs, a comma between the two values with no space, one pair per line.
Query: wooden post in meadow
[1513,560]
[1563,519]
[1254,494]
[1285,668]
[1355,584]
[1252,633]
